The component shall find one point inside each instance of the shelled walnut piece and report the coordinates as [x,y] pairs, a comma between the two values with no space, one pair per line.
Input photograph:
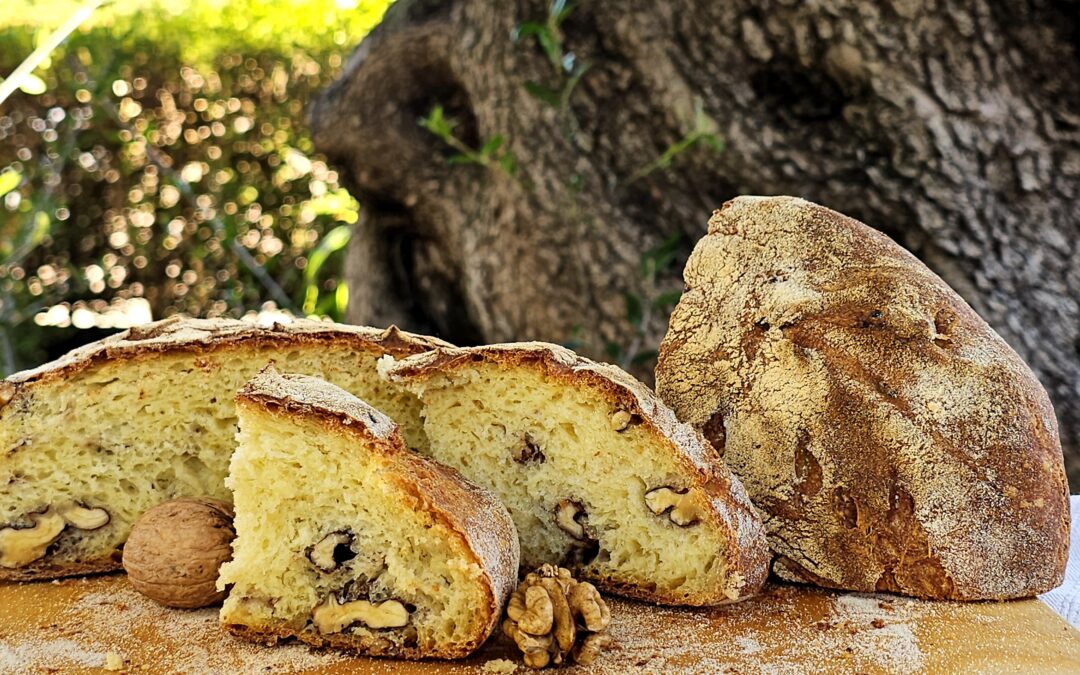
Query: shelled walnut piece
[331,616]
[22,546]
[551,615]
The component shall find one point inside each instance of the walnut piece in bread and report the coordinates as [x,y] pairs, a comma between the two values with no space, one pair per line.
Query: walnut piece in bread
[890,438]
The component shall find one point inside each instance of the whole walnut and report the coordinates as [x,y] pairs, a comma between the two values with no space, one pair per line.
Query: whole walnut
[175,549]
[552,618]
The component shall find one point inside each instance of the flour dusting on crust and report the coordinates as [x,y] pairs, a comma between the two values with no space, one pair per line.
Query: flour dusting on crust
[891,440]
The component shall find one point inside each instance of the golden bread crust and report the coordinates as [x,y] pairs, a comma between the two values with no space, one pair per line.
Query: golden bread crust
[182,334]
[747,554]
[891,439]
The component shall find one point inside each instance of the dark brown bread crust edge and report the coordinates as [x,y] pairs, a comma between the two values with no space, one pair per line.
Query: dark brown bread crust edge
[472,514]
[47,572]
[364,646]
[170,336]
[928,580]
[747,552]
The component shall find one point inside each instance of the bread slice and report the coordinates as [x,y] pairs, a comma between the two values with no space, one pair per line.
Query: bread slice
[891,439]
[597,473]
[346,538]
[91,441]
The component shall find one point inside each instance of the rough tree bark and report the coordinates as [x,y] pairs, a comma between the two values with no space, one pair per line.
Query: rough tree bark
[952,126]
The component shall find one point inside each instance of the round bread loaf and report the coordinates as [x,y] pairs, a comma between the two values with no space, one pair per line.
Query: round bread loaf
[890,438]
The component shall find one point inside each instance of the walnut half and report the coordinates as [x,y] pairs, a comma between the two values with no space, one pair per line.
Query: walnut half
[331,551]
[569,516]
[330,616]
[21,546]
[679,505]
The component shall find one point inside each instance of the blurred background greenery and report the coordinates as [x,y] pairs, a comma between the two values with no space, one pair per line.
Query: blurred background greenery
[159,162]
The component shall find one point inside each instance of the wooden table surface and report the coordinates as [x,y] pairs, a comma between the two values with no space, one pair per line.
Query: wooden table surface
[79,625]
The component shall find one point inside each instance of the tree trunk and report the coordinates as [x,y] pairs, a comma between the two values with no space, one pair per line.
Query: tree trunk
[952,126]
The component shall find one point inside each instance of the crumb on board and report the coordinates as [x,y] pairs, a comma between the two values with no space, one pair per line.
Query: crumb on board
[114,661]
[499,666]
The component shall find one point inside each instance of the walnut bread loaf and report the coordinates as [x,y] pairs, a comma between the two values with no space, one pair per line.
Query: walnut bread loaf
[597,473]
[346,538]
[91,441]
[890,438]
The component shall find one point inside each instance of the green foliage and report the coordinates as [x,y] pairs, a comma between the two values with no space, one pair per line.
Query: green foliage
[568,70]
[490,155]
[334,240]
[9,180]
[640,310]
[168,161]
[703,133]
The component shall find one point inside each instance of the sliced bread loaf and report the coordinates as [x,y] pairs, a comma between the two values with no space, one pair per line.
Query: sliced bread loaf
[90,442]
[346,538]
[597,473]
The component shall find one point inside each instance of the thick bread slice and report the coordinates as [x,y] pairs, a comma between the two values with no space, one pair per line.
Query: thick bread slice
[346,538]
[91,441]
[892,440]
[596,471]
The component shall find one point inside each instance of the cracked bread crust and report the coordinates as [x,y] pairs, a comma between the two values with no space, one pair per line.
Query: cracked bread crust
[747,553]
[477,518]
[178,333]
[890,438]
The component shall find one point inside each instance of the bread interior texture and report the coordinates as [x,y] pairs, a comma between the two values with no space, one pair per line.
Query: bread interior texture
[125,435]
[294,483]
[536,441]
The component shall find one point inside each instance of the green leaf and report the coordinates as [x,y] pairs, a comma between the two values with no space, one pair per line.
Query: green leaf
[633,309]
[339,204]
[557,8]
[529,29]
[33,85]
[551,47]
[311,298]
[509,163]
[9,180]
[332,241]
[437,123]
[492,145]
[341,299]
[713,141]
[543,94]
[665,300]
[461,158]
[644,357]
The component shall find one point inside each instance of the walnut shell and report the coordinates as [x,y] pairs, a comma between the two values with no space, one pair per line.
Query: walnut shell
[175,549]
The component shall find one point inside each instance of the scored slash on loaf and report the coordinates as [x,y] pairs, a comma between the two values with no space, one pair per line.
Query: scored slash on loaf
[598,474]
[347,538]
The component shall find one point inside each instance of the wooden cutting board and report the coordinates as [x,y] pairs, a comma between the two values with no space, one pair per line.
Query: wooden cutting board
[76,626]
